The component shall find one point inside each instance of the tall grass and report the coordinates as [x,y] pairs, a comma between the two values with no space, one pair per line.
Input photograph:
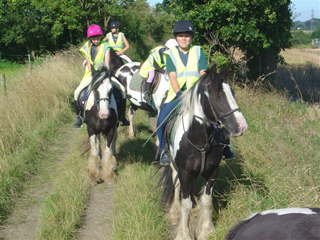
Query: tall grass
[62,211]
[301,75]
[137,213]
[31,111]
[279,159]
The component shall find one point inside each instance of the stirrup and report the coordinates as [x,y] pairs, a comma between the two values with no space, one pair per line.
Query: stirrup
[79,122]
[146,96]
[164,158]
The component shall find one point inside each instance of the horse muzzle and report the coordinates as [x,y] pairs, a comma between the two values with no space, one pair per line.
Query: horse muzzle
[103,113]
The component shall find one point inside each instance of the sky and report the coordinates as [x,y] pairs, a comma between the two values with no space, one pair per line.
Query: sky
[302,9]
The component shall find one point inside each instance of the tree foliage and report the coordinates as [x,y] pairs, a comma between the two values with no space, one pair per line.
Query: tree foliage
[42,26]
[255,26]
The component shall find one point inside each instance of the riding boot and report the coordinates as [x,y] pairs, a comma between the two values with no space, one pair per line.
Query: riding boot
[146,94]
[227,152]
[122,113]
[164,158]
[79,121]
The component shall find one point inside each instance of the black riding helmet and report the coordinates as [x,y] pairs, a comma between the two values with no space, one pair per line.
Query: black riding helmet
[183,26]
[115,24]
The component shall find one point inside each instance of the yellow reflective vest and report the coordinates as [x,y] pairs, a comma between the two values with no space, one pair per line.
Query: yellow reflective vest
[117,46]
[185,74]
[85,50]
[148,64]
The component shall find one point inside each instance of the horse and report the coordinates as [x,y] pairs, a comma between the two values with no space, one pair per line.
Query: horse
[128,75]
[279,224]
[101,118]
[195,151]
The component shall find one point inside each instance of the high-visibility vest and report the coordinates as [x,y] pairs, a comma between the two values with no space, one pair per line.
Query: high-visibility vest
[185,74]
[117,46]
[148,64]
[85,50]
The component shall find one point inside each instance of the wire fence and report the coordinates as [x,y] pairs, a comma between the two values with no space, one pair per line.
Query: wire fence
[25,58]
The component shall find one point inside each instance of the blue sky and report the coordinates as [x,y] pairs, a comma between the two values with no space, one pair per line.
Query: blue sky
[301,8]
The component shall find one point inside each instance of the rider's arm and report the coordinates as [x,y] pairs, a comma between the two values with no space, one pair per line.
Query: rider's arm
[106,38]
[203,66]
[171,69]
[88,63]
[125,41]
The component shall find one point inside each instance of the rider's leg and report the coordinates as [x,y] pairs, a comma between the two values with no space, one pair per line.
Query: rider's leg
[146,94]
[84,83]
[165,113]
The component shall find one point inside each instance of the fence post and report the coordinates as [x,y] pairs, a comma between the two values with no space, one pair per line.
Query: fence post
[3,83]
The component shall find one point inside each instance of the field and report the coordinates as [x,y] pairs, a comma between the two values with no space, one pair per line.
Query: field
[44,188]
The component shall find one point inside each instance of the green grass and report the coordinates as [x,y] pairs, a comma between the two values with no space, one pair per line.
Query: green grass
[278,159]
[137,213]
[9,68]
[61,213]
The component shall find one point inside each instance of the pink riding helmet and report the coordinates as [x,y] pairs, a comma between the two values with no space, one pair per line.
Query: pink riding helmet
[94,31]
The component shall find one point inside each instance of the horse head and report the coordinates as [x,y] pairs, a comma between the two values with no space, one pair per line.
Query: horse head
[101,89]
[219,102]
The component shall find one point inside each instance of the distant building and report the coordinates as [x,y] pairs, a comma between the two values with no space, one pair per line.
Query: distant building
[316,42]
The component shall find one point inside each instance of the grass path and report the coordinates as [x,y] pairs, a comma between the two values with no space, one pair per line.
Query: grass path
[23,221]
[96,223]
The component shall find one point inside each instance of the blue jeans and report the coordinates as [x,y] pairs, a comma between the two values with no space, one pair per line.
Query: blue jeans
[164,112]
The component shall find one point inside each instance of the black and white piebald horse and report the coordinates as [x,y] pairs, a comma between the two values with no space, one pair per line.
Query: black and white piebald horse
[279,224]
[125,75]
[101,118]
[195,152]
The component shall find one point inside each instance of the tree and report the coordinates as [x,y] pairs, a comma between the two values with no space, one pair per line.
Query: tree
[260,28]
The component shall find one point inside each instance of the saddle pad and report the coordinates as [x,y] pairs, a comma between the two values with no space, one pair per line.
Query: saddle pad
[136,82]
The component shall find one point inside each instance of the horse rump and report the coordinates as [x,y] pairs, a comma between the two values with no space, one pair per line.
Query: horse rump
[279,224]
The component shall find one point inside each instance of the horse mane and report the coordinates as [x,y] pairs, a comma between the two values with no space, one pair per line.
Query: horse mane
[115,62]
[96,75]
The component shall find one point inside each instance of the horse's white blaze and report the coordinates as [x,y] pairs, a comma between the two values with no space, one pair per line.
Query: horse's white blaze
[242,123]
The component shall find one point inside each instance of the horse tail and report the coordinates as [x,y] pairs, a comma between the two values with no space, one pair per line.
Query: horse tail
[167,186]
[235,230]
[85,146]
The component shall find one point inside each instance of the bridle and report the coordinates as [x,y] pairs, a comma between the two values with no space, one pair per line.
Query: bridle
[214,111]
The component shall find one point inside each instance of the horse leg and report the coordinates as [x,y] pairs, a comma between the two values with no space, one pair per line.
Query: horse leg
[173,214]
[130,128]
[205,226]
[109,162]
[93,167]
[183,232]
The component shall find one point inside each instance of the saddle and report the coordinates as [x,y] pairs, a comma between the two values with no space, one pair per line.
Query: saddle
[137,83]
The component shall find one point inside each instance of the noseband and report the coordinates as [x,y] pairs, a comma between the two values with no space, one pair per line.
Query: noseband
[214,111]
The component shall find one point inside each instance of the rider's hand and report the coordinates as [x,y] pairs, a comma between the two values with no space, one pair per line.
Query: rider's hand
[178,94]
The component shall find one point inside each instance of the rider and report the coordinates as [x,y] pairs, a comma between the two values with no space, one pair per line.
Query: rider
[155,61]
[185,64]
[97,53]
[116,39]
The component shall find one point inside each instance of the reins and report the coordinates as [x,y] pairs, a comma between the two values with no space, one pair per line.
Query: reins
[206,146]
